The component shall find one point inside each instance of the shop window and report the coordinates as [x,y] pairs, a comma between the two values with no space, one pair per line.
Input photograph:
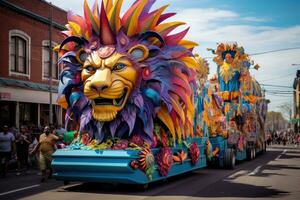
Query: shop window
[7,113]
[19,53]
[46,61]
[28,113]
[45,114]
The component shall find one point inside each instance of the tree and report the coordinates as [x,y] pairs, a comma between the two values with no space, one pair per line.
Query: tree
[286,110]
[275,121]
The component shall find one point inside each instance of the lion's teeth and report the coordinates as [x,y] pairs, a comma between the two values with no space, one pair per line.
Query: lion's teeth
[115,102]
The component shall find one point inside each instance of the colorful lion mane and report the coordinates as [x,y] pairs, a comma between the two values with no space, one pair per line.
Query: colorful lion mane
[163,88]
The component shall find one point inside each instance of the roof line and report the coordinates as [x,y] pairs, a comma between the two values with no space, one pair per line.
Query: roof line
[30,14]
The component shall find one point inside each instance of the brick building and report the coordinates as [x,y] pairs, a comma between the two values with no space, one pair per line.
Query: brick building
[25,64]
[296,86]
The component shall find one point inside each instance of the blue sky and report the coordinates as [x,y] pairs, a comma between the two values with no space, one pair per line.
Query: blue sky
[257,25]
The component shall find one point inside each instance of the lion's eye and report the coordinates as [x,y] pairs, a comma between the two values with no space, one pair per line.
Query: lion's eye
[119,67]
[90,69]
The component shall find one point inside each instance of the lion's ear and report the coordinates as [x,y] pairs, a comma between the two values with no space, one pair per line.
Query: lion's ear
[139,52]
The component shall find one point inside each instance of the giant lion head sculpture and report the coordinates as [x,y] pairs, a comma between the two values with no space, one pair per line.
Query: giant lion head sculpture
[120,75]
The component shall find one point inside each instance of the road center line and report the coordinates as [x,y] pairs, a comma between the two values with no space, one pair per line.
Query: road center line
[255,171]
[278,157]
[20,189]
[284,152]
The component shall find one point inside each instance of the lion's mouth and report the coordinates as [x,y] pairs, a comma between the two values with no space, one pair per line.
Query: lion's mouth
[115,102]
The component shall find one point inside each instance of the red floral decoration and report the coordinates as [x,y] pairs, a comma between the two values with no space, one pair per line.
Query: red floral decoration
[76,135]
[121,144]
[164,160]
[154,141]
[85,138]
[134,164]
[194,153]
[137,139]
[164,138]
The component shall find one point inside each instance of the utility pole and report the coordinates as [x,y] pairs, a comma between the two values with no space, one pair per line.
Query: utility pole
[50,65]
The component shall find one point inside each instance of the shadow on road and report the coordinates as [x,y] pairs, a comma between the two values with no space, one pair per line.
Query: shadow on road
[232,189]
[195,184]
[222,188]
[278,167]
[289,156]
[282,147]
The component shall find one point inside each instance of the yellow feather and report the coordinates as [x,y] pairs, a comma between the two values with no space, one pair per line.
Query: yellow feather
[108,4]
[188,44]
[178,130]
[62,102]
[75,28]
[164,116]
[177,107]
[157,15]
[56,48]
[190,108]
[87,35]
[161,28]
[114,16]
[191,62]
[133,20]
[226,72]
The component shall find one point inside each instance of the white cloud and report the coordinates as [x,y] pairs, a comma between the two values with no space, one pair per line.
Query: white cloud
[254,19]
[204,15]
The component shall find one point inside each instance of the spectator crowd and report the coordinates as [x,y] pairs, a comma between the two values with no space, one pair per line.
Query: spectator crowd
[283,138]
[28,149]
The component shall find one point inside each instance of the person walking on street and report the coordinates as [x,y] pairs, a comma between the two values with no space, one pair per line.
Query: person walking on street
[23,140]
[33,158]
[46,147]
[7,146]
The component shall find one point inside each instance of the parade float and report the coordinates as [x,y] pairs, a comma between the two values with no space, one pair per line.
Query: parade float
[129,87]
[235,101]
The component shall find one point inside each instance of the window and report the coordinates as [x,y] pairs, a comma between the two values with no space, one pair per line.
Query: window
[19,53]
[46,61]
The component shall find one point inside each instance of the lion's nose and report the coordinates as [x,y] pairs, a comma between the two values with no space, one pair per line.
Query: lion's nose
[101,80]
[99,88]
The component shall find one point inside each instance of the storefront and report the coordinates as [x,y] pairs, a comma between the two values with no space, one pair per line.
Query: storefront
[19,106]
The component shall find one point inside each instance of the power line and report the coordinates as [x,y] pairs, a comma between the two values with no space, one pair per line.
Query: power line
[280,95]
[274,90]
[277,50]
[288,93]
[279,77]
[264,52]
[277,100]
[270,85]
[279,91]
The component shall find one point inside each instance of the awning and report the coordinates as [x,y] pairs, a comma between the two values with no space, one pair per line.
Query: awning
[26,85]
[24,91]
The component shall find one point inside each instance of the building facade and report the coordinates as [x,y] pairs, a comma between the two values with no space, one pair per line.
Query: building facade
[296,86]
[29,30]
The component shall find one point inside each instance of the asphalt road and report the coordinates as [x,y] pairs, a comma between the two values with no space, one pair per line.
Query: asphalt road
[275,174]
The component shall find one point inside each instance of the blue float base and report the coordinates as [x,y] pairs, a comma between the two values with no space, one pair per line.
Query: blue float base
[222,144]
[114,165]
[241,155]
